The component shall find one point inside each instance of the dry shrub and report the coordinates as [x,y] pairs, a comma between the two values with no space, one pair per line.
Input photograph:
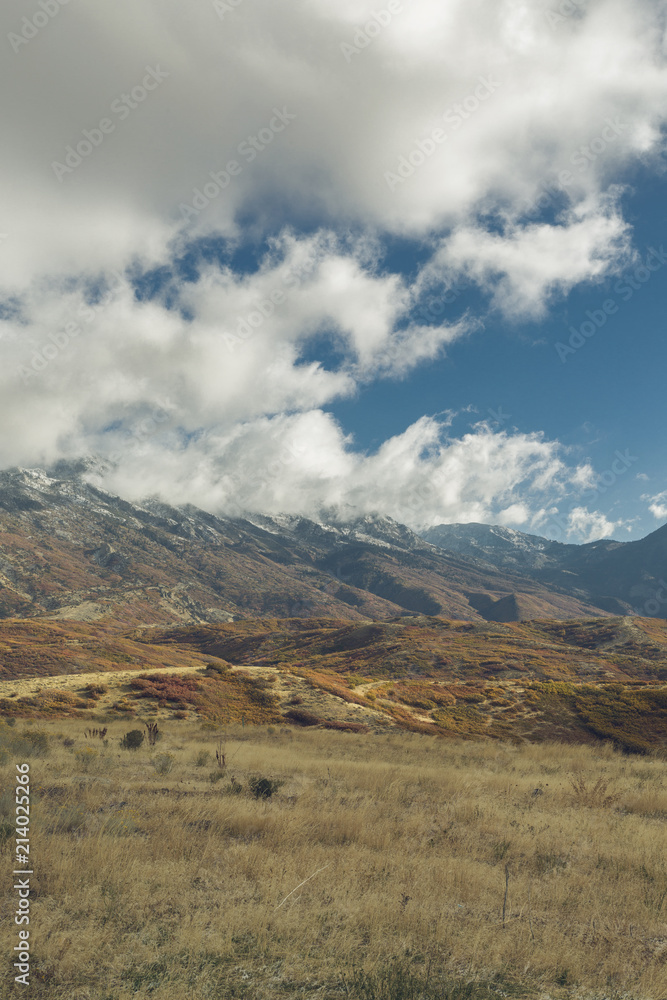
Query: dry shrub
[592,794]
[302,717]
[346,727]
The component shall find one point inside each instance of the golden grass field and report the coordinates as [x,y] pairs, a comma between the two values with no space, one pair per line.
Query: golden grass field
[152,880]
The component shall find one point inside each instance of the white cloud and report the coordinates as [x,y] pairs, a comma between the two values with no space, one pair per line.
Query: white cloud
[657,505]
[303,463]
[524,266]
[556,90]
[589,526]
[518,102]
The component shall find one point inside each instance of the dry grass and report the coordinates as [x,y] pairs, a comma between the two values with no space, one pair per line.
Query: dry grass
[173,885]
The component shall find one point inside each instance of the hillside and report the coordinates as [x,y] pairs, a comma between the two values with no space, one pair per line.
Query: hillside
[70,551]
[620,577]
[545,680]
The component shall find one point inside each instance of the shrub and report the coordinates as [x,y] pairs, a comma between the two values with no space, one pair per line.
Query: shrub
[215,776]
[132,740]
[347,727]
[38,740]
[86,757]
[163,763]
[153,732]
[302,717]
[263,788]
[233,788]
[29,743]
[202,758]
[218,668]
[592,795]
[94,691]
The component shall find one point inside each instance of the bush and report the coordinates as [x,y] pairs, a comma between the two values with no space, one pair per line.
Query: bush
[347,727]
[38,741]
[302,718]
[233,788]
[216,776]
[163,763]
[29,743]
[202,758]
[86,757]
[132,740]
[95,691]
[263,788]
[218,668]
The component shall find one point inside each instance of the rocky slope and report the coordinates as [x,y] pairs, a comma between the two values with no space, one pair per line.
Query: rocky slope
[69,550]
[621,577]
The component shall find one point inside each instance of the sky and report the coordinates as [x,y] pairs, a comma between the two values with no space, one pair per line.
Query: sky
[343,257]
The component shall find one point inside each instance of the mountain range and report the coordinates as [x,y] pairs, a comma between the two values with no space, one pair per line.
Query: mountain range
[71,550]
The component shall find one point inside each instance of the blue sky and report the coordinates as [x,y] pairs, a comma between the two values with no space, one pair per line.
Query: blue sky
[605,397]
[284,257]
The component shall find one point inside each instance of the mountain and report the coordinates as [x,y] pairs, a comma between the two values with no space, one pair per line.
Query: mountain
[69,550]
[620,577]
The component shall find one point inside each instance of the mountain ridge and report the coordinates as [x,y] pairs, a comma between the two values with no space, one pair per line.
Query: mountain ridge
[609,573]
[70,549]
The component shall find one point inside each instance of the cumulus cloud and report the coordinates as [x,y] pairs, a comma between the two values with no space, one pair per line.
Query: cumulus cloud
[589,526]
[229,347]
[447,123]
[523,267]
[549,94]
[657,505]
[303,463]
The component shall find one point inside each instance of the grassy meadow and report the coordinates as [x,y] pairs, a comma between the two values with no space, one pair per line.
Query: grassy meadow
[380,867]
